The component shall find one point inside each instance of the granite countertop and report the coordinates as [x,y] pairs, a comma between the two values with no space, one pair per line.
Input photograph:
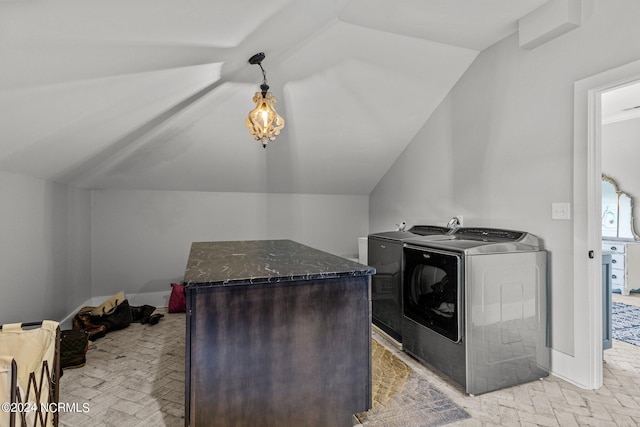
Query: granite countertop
[263,261]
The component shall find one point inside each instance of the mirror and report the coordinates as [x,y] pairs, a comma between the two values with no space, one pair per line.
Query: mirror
[617,212]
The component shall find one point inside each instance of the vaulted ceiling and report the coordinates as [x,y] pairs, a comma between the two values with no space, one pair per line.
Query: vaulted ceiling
[153,94]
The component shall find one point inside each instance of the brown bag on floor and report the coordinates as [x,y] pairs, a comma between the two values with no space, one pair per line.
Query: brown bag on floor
[82,321]
[73,348]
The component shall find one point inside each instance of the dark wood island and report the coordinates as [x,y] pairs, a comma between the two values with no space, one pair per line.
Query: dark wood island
[278,334]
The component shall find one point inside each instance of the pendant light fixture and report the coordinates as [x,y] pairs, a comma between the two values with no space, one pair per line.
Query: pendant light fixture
[263,122]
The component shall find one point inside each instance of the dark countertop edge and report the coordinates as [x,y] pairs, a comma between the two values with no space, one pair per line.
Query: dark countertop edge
[279,279]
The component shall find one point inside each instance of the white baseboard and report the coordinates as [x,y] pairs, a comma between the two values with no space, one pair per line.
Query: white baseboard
[156,299]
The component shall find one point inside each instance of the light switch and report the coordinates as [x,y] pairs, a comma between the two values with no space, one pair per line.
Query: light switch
[560,210]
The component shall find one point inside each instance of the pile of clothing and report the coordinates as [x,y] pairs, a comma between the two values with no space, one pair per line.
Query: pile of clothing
[91,323]
[113,314]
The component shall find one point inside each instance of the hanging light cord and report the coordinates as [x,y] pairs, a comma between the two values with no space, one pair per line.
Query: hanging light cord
[264,74]
[257,60]
[264,87]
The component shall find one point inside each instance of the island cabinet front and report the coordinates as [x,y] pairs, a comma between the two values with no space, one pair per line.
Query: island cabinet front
[291,353]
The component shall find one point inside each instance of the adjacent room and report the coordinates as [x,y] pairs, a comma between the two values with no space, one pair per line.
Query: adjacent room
[483,143]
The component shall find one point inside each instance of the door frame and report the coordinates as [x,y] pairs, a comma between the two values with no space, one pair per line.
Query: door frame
[585,367]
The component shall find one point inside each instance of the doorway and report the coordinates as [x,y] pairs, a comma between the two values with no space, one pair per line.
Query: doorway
[587,236]
[620,111]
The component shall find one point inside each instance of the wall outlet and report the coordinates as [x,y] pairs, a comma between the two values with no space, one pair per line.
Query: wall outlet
[560,210]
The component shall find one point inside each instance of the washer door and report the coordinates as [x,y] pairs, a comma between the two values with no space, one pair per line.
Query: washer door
[432,290]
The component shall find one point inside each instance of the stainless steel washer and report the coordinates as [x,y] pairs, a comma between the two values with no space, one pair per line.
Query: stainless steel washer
[475,307]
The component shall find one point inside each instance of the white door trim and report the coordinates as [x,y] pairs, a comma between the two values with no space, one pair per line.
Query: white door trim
[585,369]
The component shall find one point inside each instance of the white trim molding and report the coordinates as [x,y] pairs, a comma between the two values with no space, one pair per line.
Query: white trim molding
[584,368]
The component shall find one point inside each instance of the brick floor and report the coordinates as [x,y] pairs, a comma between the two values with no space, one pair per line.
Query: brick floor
[135,377]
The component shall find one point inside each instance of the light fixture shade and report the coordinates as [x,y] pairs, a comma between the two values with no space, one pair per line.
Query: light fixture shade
[264,122]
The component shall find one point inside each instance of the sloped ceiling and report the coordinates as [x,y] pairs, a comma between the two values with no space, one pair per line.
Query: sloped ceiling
[152,94]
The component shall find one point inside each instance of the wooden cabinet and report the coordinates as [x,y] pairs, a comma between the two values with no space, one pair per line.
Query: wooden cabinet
[285,356]
[625,265]
[278,335]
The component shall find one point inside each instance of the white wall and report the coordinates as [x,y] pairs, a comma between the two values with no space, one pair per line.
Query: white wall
[418,188]
[45,249]
[499,149]
[620,149]
[141,239]
[620,154]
